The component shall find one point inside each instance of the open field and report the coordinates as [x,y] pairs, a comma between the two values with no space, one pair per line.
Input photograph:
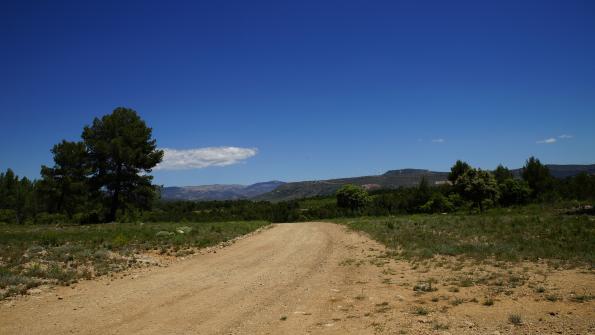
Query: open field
[318,278]
[532,233]
[62,254]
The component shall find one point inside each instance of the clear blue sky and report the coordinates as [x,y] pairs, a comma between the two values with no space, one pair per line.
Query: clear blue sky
[320,89]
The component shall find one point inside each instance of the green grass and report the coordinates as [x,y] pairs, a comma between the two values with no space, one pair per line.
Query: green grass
[62,254]
[527,233]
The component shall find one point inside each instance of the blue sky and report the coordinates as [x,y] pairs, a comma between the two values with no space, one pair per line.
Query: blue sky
[303,89]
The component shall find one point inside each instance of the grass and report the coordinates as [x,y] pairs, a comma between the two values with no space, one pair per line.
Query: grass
[488,302]
[526,233]
[582,298]
[515,319]
[62,254]
[425,286]
[440,326]
[419,310]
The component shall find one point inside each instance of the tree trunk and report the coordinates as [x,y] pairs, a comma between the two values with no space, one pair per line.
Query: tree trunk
[114,206]
[116,196]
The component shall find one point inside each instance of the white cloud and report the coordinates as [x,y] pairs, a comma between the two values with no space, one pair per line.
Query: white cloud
[547,141]
[438,140]
[198,158]
[565,136]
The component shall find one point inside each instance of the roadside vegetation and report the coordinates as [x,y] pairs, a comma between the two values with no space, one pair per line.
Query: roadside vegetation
[530,233]
[32,255]
[96,211]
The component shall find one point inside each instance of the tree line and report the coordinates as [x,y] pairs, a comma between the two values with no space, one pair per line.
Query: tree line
[104,177]
[470,189]
[101,178]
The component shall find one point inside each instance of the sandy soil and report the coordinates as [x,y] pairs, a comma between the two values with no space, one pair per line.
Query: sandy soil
[304,278]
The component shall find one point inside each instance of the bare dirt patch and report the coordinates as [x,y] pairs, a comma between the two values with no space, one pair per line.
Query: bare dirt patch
[314,278]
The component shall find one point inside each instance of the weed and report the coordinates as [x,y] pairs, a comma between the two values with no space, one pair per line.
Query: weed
[539,289]
[515,319]
[419,310]
[457,301]
[382,307]
[524,233]
[440,326]
[581,298]
[32,254]
[347,262]
[425,286]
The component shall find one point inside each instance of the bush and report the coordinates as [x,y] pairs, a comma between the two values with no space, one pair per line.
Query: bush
[8,216]
[438,203]
[352,197]
[514,192]
[479,187]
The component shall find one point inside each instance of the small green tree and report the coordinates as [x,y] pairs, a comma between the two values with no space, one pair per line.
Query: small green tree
[514,192]
[457,170]
[8,189]
[502,173]
[121,151]
[64,186]
[352,196]
[537,176]
[438,203]
[479,187]
[17,198]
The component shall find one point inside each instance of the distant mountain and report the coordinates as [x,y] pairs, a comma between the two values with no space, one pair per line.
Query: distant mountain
[280,191]
[390,179]
[563,171]
[218,191]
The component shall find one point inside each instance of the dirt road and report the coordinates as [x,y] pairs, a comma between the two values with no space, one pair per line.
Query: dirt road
[291,279]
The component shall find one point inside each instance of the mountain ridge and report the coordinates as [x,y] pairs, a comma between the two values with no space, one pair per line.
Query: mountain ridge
[281,191]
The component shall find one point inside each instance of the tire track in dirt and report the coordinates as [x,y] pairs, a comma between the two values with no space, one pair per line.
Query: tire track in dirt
[298,278]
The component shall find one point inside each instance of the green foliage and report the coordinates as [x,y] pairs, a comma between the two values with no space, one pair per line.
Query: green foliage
[537,176]
[438,203]
[17,198]
[61,254]
[457,170]
[502,174]
[120,150]
[352,197]
[525,233]
[514,192]
[479,187]
[579,187]
[63,187]
[58,198]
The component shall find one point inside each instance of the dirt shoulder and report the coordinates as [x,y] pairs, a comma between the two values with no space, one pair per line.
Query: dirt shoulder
[305,278]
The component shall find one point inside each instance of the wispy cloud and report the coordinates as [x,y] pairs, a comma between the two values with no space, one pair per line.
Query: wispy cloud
[565,136]
[438,140]
[198,158]
[547,141]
